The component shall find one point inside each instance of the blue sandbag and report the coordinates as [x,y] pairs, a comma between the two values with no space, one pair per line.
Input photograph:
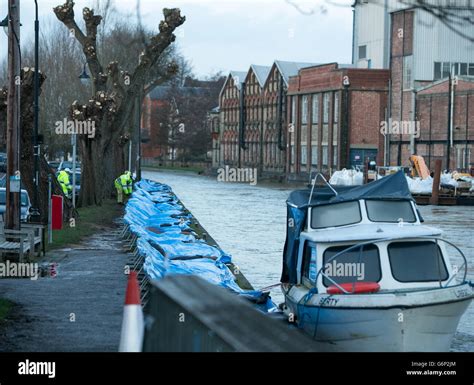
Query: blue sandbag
[165,238]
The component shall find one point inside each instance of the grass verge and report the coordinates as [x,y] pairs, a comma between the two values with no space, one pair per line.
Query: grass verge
[90,220]
[5,307]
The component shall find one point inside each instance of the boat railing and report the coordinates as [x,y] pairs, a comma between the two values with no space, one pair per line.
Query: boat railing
[361,245]
[313,184]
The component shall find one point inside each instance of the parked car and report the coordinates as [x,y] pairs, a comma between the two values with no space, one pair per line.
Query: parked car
[25,204]
[67,164]
[54,165]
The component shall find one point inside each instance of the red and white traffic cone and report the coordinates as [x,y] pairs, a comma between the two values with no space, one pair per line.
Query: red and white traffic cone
[131,339]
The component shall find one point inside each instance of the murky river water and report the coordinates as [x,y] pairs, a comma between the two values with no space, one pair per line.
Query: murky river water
[248,222]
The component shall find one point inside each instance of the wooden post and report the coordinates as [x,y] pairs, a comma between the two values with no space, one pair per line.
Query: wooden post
[434,200]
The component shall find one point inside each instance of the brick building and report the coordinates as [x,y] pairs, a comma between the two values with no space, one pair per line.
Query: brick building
[230,108]
[436,140]
[164,109]
[275,115]
[253,117]
[335,114]
[251,135]
[153,131]
[423,51]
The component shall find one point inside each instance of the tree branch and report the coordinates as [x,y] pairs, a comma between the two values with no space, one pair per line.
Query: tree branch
[88,41]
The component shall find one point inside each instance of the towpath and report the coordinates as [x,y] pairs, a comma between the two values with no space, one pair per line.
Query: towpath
[79,310]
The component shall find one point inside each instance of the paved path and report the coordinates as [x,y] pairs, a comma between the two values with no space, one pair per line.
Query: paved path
[90,286]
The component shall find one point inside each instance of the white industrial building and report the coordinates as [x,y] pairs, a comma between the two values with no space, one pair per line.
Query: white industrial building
[436,46]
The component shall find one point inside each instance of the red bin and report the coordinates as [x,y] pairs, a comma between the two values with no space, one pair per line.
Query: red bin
[57,212]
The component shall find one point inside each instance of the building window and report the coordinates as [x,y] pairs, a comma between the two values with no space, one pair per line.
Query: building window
[293,109]
[304,133]
[336,107]
[362,52]
[407,72]
[437,71]
[314,134]
[445,70]
[471,69]
[334,156]
[325,155]
[326,108]
[315,109]
[314,155]
[303,155]
[304,109]
[292,154]
[463,69]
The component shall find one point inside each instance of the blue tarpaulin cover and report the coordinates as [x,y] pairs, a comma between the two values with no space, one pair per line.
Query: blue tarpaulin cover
[170,246]
[391,187]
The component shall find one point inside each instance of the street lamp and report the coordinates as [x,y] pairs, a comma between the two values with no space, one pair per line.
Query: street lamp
[4,24]
[35,211]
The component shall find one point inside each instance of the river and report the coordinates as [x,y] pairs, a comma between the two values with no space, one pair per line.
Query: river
[248,222]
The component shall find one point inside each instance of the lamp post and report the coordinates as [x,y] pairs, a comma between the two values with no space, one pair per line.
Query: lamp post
[35,212]
[13,191]
[85,80]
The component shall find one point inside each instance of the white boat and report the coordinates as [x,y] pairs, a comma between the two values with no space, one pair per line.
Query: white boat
[362,273]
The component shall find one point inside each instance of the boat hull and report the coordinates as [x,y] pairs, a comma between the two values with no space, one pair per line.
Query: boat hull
[423,328]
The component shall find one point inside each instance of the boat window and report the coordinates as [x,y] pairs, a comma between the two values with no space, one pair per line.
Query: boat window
[420,261]
[308,268]
[359,265]
[390,211]
[339,214]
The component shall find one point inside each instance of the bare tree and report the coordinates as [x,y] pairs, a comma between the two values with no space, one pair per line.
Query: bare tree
[113,101]
[26,144]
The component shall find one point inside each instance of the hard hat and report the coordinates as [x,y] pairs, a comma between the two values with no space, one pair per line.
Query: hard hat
[68,170]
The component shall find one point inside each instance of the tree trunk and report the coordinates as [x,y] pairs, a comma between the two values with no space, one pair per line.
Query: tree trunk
[27,151]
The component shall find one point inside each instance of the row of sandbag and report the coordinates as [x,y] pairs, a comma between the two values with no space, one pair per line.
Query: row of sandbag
[169,244]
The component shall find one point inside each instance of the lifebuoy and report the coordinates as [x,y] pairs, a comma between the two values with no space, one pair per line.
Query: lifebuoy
[358,288]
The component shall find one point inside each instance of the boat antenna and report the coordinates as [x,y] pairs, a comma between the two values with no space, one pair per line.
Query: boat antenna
[313,184]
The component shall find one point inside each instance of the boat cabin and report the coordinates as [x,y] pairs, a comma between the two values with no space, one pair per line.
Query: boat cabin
[364,239]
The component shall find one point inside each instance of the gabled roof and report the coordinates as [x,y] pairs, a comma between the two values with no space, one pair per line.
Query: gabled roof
[261,73]
[290,68]
[239,77]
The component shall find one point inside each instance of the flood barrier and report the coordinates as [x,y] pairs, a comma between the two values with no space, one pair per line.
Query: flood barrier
[168,241]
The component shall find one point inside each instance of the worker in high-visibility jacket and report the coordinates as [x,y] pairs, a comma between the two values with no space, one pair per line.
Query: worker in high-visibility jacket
[63,179]
[123,184]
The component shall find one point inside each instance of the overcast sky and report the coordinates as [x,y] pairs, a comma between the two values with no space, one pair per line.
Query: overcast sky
[232,34]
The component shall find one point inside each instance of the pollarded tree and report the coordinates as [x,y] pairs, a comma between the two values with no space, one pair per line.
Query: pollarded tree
[116,93]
